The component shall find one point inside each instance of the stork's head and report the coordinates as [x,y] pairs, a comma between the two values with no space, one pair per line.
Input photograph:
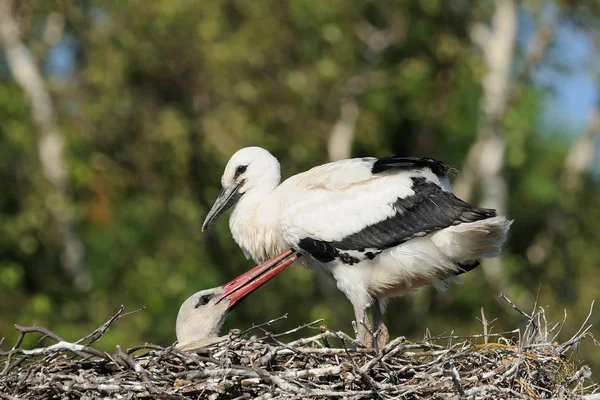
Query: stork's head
[250,169]
[202,314]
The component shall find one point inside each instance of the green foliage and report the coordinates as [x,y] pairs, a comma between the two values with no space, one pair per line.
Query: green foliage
[165,91]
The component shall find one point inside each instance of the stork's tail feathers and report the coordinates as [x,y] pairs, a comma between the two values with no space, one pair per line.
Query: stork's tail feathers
[468,242]
[474,240]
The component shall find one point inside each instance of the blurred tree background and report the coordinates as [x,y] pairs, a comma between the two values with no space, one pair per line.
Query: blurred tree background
[118,117]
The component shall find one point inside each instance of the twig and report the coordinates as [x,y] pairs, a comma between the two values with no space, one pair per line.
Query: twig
[475,336]
[580,334]
[125,358]
[145,346]
[23,330]
[391,348]
[513,305]
[485,326]
[63,346]
[366,378]
[294,330]
[268,323]
[97,334]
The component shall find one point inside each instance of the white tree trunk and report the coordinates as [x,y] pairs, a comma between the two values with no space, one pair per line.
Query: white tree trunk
[339,145]
[486,158]
[50,145]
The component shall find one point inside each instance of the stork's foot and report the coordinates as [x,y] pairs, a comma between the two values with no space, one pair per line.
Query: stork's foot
[376,339]
[363,333]
[381,336]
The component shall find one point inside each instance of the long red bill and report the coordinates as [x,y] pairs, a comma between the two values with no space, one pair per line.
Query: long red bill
[248,282]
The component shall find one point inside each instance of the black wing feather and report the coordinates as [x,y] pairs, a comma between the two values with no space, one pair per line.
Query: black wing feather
[428,210]
[410,163]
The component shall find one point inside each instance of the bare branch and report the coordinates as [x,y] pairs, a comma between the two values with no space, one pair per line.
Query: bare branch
[97,334]
[268,323]
[484,323]
[513,305]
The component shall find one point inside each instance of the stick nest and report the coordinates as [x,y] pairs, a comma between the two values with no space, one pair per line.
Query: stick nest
[523,363]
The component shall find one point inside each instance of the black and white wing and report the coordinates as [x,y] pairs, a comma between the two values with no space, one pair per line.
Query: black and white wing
[361,207]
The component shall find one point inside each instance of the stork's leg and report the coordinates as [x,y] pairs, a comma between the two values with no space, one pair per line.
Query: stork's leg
[380,331]
[362,332]
[376,314]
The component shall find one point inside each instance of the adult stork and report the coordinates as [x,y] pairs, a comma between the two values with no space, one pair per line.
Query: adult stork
[202,315]
[379,226]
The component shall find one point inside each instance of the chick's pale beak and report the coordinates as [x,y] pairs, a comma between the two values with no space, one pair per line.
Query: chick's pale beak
[225,200]
[243,285]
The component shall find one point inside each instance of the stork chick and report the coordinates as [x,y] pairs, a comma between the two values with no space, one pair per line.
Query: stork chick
[380,227]
[202,315]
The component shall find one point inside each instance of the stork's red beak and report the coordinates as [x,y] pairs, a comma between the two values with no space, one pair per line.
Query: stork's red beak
[243,285]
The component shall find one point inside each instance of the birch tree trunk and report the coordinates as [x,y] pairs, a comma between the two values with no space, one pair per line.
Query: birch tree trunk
[486,158]
[339,144]
[51,144]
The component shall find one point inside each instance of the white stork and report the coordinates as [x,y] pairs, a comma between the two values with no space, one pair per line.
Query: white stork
[379,226]
[201,315]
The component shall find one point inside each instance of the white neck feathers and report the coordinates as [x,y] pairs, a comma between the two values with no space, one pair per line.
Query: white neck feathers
[254,225]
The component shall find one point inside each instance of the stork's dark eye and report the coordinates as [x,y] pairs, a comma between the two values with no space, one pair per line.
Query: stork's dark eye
[240,170]
[204,299]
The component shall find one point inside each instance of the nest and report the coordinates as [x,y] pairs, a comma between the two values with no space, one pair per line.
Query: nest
[523,363]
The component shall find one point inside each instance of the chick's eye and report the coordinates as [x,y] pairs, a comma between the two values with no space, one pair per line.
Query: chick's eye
[203,300]
[240,170]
